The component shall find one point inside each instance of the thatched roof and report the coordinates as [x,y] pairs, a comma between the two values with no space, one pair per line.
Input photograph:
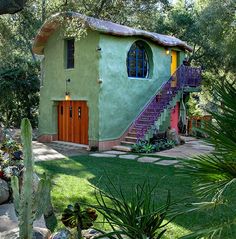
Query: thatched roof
[106,27]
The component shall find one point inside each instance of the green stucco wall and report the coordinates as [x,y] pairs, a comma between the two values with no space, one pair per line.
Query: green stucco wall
[84,81]
[100,77]
[122,98]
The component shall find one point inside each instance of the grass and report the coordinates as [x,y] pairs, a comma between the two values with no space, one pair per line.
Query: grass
[72,179]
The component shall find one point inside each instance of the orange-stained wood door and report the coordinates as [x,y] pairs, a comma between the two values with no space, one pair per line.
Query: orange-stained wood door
[174,65]
[73,121]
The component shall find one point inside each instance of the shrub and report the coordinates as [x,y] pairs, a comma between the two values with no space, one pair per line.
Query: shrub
[11,162]
[137,217]
[138,147]
[158,145]
[164,144]
[19,84]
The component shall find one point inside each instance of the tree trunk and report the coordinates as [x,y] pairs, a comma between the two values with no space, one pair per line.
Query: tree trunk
[43,10]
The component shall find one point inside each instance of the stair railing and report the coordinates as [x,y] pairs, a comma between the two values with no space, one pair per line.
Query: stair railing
[184,76]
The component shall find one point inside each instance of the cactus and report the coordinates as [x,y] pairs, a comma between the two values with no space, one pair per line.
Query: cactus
[28,204]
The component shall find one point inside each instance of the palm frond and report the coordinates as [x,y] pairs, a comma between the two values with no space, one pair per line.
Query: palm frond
[222,132]
[213,173]
[224,229]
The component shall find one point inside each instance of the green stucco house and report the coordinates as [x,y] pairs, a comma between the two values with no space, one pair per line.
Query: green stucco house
[113,86]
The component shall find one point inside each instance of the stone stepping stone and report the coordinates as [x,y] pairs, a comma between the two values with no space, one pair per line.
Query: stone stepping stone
[114,152]
[148,159]
[167,162]
[128,156]
[101,155]
[204,147]
[122,148]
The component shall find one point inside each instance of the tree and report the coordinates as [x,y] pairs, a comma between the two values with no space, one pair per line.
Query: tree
[191,21]
[19,96]
[11,6]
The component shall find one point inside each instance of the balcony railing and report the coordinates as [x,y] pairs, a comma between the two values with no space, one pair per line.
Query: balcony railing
[186,76]
[191,76]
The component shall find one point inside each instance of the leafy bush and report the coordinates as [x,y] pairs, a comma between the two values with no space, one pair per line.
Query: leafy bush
[164,144]
[148,148]
[11,162]
[145,147]
[138,147]
[10,146]
[137,217]
[19,84]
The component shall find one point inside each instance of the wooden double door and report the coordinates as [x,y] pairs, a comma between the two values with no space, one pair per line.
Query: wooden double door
[73,121]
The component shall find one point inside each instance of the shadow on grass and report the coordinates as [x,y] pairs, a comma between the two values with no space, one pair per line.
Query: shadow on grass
[72,179]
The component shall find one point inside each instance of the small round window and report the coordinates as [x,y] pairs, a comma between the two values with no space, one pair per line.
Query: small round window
[137,61]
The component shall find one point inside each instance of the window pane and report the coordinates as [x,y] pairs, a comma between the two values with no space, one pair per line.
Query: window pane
[70,53]
[137,61]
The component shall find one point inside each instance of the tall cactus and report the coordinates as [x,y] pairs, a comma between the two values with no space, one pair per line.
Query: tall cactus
[29,205]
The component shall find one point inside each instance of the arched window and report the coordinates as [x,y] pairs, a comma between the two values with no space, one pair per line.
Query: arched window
[137,61]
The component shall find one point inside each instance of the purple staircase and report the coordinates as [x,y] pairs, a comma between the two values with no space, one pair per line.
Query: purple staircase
[184,77]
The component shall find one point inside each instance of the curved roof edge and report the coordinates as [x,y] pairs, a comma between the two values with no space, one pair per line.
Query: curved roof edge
[106,27]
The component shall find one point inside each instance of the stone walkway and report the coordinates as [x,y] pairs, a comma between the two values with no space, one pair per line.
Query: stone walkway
[192,147]
[139,158]
[51,151]
[42,152]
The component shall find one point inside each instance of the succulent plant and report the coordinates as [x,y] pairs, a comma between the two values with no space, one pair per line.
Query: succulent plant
[73,217]
[29,205]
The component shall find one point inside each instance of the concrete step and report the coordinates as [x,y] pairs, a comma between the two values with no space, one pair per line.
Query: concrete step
[132,130]
[126,143]
[146,122]
[68,145]
[132,134]
[122,148]
[131,139]
[146,117]
[141,126]
[154,111]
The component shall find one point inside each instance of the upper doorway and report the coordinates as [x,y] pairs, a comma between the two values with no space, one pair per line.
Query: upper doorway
[173,68]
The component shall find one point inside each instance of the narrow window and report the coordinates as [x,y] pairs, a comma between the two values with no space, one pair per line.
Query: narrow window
[70,50]
[137,61]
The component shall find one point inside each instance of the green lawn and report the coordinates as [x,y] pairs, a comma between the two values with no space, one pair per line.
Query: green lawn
[72,179]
